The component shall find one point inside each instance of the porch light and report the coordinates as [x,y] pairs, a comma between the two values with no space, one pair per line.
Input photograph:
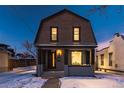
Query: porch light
[59,52]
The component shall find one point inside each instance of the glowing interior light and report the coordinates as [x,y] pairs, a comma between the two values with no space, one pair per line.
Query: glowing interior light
[76,58]
[53,61]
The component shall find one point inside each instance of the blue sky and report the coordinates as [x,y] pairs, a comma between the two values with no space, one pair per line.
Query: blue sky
[20,23]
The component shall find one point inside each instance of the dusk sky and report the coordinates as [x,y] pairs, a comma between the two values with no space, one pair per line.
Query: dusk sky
[20,23]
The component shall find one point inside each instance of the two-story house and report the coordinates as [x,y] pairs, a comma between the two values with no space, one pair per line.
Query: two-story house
[65,42]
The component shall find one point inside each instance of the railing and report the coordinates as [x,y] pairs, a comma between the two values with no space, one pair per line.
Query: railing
[80,70]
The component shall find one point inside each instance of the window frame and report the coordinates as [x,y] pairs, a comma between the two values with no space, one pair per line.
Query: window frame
[71,57]
[102,61]
[51,34]
[79,33]
[110,61]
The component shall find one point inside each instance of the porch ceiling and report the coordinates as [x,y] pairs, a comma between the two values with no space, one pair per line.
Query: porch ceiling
[64,46]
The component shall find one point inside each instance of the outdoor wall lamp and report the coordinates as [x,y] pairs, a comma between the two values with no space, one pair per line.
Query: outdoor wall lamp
[59,52]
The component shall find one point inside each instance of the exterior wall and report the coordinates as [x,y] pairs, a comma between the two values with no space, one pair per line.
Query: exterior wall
[116,47]
[80,71]
[4,64]
[106,63]
[65,23]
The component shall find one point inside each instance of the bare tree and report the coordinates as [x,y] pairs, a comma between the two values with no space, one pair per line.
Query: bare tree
[30,48]
[102,9]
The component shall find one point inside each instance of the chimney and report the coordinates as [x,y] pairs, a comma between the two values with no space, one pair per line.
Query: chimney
[117,34]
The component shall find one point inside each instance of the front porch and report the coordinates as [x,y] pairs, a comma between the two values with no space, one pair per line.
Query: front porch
[73,61]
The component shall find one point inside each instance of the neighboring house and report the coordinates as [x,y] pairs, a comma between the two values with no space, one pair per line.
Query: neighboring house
[110,55]
[65,42]
[24,55]
[4,58]
[8,48]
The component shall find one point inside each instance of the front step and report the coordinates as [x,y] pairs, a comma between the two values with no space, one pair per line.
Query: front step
[53,74]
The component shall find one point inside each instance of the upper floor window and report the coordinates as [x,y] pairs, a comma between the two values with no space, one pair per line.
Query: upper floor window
[54,33]
[76,33]
[110,59]
[102,59]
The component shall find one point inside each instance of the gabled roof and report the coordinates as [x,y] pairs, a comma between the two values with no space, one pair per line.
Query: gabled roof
[103,45]
[62,11]
[56,14]
[106,44]
[122,36]
[4,50]
[3,45]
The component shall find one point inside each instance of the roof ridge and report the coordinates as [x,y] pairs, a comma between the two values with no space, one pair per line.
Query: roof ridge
[64,10]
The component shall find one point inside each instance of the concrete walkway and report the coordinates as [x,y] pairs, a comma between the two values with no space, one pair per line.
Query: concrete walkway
[53,79]
[52,83]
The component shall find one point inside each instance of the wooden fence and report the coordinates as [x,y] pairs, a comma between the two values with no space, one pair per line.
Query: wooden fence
[14,63]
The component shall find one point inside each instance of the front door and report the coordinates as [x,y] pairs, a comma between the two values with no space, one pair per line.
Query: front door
[51,60]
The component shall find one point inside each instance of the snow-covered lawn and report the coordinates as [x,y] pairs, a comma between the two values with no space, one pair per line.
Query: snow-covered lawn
[24,78]
[21,78]
[100,81]
[25,81]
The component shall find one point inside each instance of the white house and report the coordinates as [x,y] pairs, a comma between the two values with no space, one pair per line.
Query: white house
[4,58]
[110,55]
[5,54]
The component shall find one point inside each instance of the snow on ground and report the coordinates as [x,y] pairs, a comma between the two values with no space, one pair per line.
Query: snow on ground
[113,76]
[24,78]
[26,81]
[21,78]
[100,81]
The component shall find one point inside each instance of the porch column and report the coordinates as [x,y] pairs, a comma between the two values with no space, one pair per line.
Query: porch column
[92,56]
[46,60]
[66,54]
[88,57]
[66,57]
[40,62]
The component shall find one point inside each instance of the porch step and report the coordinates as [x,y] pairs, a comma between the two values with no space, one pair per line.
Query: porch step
[53,74]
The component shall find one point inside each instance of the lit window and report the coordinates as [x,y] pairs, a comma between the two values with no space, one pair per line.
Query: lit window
[110,59]
[76,58]
[54,34]
[76,33]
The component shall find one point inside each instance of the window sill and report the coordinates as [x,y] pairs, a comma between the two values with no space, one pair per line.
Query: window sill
[79,65]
